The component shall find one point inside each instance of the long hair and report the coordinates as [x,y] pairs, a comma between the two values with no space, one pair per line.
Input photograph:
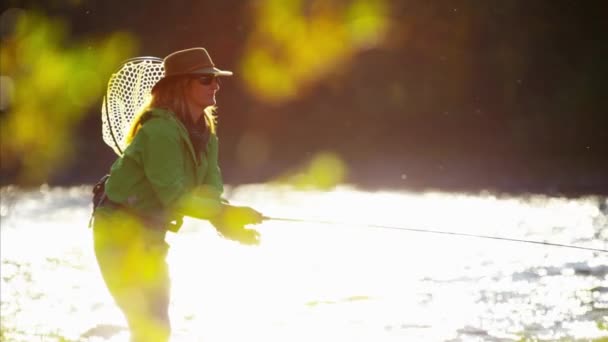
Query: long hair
[171,95]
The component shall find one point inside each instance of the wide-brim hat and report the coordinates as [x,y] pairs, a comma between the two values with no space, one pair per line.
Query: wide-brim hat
[195,61]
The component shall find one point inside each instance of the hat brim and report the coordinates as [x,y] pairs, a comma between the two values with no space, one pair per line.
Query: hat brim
[211,71]
[204,71]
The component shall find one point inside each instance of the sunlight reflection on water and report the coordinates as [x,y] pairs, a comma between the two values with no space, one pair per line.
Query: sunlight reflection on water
[316,282]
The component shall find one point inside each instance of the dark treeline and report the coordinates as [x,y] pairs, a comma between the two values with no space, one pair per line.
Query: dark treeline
[462,95]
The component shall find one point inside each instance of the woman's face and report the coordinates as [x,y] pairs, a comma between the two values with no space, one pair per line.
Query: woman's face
[200,91]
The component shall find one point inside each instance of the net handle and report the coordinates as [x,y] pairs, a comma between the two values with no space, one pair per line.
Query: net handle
[109,123]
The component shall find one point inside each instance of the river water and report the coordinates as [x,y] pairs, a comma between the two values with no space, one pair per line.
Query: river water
[325,282]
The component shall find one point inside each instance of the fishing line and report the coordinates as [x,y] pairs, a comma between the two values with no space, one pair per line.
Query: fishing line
[432,231]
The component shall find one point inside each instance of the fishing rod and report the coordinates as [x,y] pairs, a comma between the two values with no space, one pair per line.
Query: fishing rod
[433,231]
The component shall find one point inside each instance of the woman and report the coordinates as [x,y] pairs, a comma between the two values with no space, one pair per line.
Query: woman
[169,169]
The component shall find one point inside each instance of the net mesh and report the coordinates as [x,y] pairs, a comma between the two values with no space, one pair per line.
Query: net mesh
[128,90]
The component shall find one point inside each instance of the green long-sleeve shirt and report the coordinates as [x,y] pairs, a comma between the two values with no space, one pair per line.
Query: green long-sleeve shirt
[159,171]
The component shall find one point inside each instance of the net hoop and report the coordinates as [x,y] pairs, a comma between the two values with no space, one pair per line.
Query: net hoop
[128,90]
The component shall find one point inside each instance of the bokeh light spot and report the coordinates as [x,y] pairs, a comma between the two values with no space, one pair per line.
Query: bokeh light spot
[325,171]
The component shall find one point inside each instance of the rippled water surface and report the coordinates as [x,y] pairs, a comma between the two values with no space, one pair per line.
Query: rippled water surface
[324,282]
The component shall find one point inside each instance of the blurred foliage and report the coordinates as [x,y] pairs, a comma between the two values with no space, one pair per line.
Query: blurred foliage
[48,84]
[295,42]
[457,95]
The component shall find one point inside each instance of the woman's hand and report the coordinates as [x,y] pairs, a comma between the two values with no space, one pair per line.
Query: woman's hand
[231,222]
[240,216]
[240,234]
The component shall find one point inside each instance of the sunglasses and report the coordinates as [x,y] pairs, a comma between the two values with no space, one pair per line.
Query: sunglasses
[208,79]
